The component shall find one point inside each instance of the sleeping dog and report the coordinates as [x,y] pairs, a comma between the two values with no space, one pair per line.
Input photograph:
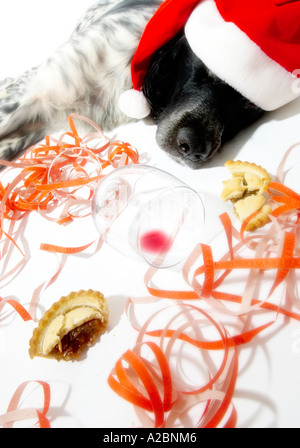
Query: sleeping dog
[195,111]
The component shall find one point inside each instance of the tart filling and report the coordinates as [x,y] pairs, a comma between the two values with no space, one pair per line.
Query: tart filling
[246,191]
[70,326]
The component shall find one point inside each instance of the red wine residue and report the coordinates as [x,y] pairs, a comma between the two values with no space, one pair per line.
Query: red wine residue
[155,241]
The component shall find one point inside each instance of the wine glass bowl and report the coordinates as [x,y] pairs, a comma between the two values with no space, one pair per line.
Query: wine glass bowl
[146,213]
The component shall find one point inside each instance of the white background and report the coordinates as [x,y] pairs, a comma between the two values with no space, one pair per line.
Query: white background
[268,390]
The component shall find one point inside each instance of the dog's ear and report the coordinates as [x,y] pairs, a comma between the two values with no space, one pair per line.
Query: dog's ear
[162,75]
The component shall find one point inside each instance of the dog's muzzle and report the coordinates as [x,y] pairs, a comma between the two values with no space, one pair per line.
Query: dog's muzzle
[192,145]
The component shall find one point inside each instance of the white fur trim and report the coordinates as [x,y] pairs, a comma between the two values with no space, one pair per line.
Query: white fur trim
[134,104]
[231,55]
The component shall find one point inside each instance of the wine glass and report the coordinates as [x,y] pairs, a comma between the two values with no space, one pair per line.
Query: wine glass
[146,213]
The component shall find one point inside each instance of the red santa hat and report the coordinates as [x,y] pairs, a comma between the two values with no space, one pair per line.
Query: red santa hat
[253,45]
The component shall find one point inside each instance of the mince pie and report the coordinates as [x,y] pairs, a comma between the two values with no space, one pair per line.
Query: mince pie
[246,191]
[70,326]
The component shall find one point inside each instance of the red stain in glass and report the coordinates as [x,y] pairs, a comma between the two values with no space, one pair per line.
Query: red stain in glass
[155,241]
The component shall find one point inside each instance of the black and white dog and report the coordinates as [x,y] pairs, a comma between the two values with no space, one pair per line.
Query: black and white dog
[194,110]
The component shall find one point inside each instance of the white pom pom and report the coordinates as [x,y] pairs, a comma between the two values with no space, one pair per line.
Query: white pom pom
[134,104]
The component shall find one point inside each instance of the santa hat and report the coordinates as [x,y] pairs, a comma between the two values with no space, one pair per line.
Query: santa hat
[254,46]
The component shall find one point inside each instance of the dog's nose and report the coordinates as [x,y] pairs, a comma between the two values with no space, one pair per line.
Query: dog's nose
[191,145]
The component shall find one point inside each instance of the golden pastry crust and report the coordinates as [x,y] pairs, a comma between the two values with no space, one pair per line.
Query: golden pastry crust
[233,189]
[249,205]
[246,190]
[70,326]
[260,219]
[256,178]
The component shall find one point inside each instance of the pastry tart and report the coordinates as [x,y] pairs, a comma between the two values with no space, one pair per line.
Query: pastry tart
[251,178]
[246,191]
[70,326]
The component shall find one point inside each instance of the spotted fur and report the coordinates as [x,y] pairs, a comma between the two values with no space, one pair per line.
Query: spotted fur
[85,75]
